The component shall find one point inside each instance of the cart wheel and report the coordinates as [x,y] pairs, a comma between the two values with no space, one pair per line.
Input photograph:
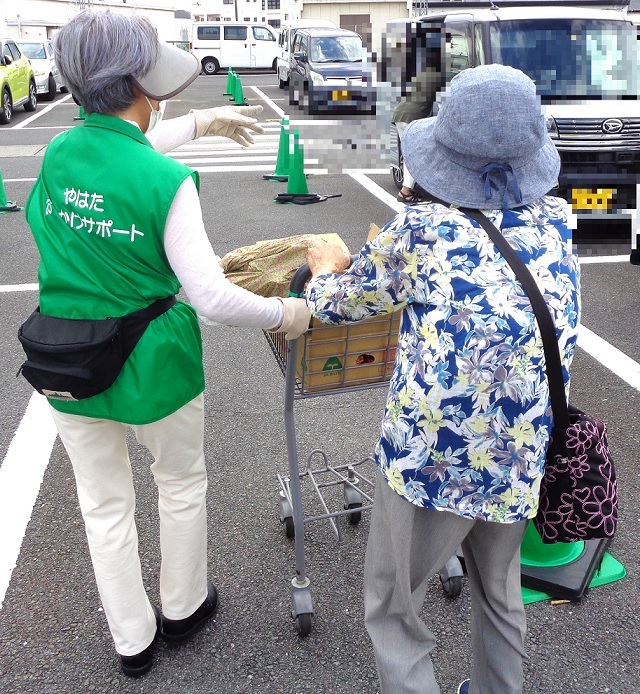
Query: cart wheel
[356,516]
[289,528]
[452,586]
[303,623]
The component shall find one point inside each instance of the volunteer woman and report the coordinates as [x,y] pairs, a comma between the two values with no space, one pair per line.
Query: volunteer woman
[119,225]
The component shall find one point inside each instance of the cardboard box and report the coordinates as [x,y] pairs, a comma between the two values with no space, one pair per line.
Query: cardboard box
[347,356]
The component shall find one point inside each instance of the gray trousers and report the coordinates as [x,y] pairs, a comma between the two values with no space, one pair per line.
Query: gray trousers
[407,545]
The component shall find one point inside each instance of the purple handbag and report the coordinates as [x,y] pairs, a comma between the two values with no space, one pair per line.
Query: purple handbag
[578,492]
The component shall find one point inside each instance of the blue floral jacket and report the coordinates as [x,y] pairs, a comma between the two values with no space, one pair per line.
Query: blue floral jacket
[468,417]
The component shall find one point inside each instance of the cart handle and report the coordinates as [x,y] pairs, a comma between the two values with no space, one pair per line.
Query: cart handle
[301,277]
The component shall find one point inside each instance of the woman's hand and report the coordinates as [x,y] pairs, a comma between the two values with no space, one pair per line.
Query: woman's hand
[327,258]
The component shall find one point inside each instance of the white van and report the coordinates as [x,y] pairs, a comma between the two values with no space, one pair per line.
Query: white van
[285,44]
[233,44]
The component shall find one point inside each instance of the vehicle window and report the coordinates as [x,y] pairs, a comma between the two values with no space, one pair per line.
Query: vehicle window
[209,33]
[50,48]
[262,34]
[297,44]
[33,51]
[572,58]
[15,53]
[336,49]
[235,33]
[479,48]
[458,54]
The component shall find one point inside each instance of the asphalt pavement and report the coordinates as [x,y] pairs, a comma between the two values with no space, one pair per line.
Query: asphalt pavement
[53,634]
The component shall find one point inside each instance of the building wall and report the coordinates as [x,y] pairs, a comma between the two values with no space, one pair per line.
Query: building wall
[379,13]
[39,19]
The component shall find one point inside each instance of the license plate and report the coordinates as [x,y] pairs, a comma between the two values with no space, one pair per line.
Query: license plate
[594,199]
[340,95]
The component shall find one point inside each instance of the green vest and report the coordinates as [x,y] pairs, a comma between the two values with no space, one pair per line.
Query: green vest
[97,213]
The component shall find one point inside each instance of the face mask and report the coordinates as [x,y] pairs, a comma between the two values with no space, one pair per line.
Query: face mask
[156,116]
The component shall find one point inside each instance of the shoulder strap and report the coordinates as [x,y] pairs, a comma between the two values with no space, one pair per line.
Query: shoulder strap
[542,314]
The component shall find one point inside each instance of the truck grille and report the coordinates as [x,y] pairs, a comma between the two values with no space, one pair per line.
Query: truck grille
[589,133]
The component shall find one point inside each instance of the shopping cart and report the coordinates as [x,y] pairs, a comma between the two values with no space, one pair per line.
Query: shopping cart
[324,361]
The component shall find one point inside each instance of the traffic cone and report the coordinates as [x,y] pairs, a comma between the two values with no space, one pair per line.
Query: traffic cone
[297,181]
[297,189]
[238,95]
[6,205]
[564,570]
[231,86]
[229,91]
[282,162]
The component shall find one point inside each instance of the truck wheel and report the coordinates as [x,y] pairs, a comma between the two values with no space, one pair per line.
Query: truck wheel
[210,66]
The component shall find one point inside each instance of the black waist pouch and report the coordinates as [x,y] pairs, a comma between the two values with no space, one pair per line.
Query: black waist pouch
[74,359]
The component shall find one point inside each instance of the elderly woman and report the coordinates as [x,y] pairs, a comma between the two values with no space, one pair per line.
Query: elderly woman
[119,226]
[467,421]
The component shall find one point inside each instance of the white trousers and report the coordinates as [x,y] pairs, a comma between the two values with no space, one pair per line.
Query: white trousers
[98,452]
[408,181]
[407,545]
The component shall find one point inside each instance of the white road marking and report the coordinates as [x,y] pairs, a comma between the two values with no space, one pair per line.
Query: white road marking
[37,114]
[21,475]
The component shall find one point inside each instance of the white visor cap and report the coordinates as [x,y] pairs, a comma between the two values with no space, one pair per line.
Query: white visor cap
[174,70]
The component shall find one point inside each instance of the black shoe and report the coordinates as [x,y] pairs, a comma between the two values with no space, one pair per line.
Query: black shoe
[176,631]
[136,665]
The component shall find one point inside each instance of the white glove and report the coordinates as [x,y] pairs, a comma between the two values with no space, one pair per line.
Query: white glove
[233,122]
[296,318]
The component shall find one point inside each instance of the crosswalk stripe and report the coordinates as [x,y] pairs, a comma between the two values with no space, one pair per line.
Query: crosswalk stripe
[212,154]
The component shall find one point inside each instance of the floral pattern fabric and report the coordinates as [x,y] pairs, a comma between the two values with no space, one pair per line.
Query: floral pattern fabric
[468,417]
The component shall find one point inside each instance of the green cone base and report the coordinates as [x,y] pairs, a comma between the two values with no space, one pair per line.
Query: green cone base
[610,570]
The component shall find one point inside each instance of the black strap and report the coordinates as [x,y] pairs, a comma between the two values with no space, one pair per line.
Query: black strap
[152,311]
[134,324]
[542,314]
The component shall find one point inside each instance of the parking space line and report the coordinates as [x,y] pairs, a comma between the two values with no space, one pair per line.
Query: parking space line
[610,357]
[21,476]
[18,287]
[270,103]
[37,114]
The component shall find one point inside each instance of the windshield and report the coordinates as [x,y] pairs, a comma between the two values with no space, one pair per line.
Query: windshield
[336,49]
[571,57]
[33,51]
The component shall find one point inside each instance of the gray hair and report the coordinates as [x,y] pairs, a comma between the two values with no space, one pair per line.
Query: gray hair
[97,53]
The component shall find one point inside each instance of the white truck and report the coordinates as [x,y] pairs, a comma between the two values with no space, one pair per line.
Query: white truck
[586,66]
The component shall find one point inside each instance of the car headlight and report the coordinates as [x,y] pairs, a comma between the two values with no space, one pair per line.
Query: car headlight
[316,78]
[552,128]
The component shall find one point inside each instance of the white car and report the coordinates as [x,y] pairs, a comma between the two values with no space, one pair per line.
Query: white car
[48,79]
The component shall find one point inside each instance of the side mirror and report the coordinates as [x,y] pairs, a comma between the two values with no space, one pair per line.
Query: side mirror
[300,57]
[7,59]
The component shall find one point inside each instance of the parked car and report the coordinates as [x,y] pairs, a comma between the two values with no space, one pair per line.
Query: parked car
[285,44]
[40,54]
[17,80]
[327,71]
